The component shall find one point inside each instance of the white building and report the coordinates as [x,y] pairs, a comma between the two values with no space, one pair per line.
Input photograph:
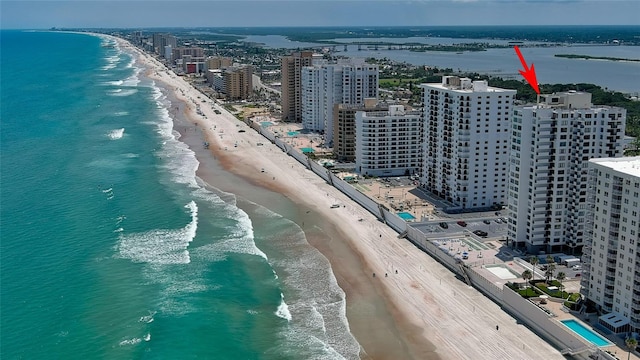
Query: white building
[216,79]
[324,85]
[611,255]
[388,143]
[168,54]
[466,142]
[550,145]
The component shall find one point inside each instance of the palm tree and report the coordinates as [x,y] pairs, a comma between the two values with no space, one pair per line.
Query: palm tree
[561,276]
[631,345]
[551,268]
[526,276]
[550,259]
[534,261]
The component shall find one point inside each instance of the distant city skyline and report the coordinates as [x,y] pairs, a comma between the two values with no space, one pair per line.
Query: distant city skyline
[266,13]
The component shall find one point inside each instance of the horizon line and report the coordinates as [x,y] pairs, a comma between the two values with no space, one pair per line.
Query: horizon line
[324,26]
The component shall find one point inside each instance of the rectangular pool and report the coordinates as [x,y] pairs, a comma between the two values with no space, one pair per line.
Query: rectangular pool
[585,333]
[406,216]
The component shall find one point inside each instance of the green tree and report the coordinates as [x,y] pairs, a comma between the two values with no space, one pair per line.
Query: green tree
[550,259]
[526,276]
[561,277]
[534,261]
[551,269]
[631,345]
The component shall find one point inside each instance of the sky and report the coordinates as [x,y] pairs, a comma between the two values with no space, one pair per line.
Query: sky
[26,14]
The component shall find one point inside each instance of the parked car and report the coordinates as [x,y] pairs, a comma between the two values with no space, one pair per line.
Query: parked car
[444,225]
[480,233]
[486,221]
[462,223]
[576,267]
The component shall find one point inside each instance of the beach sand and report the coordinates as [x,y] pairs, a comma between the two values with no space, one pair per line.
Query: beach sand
[421,312]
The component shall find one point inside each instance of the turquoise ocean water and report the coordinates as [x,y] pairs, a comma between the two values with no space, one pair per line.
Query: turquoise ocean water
[111,248]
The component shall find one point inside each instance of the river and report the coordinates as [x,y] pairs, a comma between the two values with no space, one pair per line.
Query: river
[615,75]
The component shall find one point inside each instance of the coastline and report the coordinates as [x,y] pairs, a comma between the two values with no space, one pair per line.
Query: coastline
[379,336]
[433,314]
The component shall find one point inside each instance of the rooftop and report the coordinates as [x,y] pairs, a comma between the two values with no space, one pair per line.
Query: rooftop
[625,165]
[465,85]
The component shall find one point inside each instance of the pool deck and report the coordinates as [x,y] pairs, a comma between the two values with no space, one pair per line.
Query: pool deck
[618,346]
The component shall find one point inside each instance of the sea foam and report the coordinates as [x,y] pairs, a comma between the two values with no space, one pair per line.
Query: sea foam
[122,92]
[160,246]
[317,305]
[132,341]
[283,309]
[116,134]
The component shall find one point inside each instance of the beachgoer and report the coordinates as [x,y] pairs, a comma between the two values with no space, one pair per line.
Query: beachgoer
[497,327]
[385,275]
[396,271]
[374,274]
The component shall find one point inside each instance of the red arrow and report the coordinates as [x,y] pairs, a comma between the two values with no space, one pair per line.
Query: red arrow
[528,74]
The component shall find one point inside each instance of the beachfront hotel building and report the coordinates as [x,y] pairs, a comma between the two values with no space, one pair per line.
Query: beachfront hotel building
[344,127]
[466,142]
[551,144]
[191,65]
[217,62]
[235,82]
[611,254]
[238,82]
[325,85]
[388,143]
[160,41]
[291,66]
[193,52]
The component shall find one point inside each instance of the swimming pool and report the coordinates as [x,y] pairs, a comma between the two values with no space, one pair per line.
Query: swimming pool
[502,271]
[586,333]
[293,133]
[406,216]
[266,123]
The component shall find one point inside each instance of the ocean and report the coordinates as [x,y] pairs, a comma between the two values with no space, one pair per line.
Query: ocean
[113,248]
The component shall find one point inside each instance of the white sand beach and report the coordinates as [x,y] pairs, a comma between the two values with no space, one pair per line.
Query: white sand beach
[438,315]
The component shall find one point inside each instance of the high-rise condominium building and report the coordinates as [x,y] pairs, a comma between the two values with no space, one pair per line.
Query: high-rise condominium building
[238,82]
[388,142]
[160,41]
[217,62]
[466,142]
[344,126]
[611,254]
[324,85]
[181,52]
[291,67]
[551,143]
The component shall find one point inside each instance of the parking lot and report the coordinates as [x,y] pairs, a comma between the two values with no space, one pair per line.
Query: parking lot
[495,229]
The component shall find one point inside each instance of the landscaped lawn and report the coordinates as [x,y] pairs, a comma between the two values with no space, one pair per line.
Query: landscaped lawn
[571,301]
[528,292]
[554,293]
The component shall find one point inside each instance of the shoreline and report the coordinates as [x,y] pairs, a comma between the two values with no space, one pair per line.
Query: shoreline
[431,309]
[379,336]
